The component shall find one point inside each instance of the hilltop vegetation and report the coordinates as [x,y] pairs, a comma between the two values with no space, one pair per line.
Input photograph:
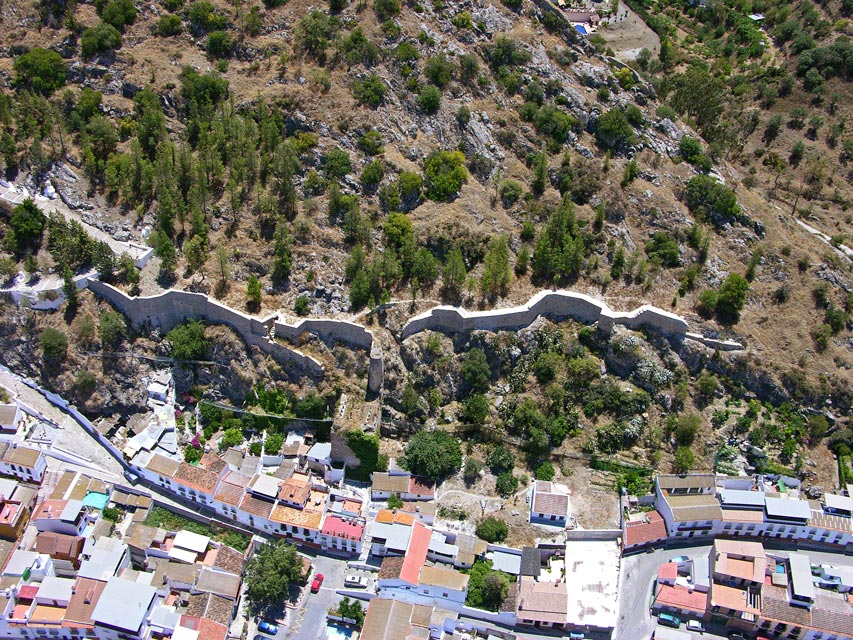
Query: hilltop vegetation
[323,159]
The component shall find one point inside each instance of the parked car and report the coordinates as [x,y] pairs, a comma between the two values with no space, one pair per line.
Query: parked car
[260,637]
[680,559]
[318,580]
[669,620]
[359,582]
[695,625]
[267,627]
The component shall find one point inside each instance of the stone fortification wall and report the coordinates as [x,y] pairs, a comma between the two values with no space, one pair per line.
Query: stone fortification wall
[173,307]
[556,305]
[344,331]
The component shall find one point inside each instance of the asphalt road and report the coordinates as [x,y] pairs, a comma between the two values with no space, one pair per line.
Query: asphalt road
[308,620]
[639,571]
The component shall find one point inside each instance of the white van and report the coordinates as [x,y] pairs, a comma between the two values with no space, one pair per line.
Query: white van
[695,625]
[355,581]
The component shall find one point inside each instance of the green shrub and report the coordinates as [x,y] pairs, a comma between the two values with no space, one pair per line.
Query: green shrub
[510,192]
[40,70]
[492,529]
[54,343]
[429,98]
[101,38]
[187,341]
[336,164]
[439,70]
[204,18]
[169,25]
[369,91]
[663,249]
[614,130]
[219,44]
[710,199]
[386,9]
[370,143]
[445,174]
[545,471]
[119,13]
[506,484]
[472,469]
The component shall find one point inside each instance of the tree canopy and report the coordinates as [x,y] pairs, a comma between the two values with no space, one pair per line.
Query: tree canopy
[40,70]
[269,574]
[433,454]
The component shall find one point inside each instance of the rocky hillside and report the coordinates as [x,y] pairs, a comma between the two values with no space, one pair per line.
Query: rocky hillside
[321,159]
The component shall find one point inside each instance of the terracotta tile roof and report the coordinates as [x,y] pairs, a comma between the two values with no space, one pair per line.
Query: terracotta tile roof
[196,477]
[668,571]
[446,578]
[733,598]
[46,614]
[28,592]
[551,504]
[742,515]
[163,466]
[63,485]
[391,567]
[223,584]
[829,613]
[681,598]
[294,490]
[22,456]
[83,601]
[687,508]
[211,607]
[229,559]
[387,619]
[58,545]
[638,533]
[253,505]
[207,629]
[543,601]
[232,488]
[421,487]
[416,554]
[297,517]
[388,482]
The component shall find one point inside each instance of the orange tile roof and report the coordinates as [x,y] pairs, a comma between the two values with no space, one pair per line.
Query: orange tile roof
[46,614]
[297,517]
[294,490]
[252,505]
[385,516]
[232,488]
[421,486]
[196,477]
[637,533]
[731,598]
[668,571]
[87,592]
[681,598]
[416,554]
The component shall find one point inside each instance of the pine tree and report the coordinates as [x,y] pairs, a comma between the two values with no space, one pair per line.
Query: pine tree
[496,272]
[540,175]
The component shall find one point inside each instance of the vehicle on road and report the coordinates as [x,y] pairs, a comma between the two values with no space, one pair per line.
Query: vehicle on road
[318,580]
[267,627]
[736,636]
[679,559]
[695,625]
[260,637]
[359,582]
[669,620]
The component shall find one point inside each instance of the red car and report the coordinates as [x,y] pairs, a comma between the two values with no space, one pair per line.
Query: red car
[318,580]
